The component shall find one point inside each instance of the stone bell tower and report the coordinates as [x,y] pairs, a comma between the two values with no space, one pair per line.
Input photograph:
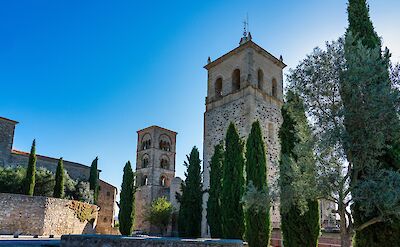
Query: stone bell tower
[155,170]
[244,85]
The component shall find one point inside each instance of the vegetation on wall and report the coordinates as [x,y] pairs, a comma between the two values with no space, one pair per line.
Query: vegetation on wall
[214,210]
[159,214]
[189,218]
[83,211]
[232,186]
[29,181]
[127,201]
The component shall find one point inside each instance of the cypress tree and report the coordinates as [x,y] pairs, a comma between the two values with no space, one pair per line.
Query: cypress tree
[298,228]
[94,179]
[29,181]
[214,210]
[189,218]
[370,118]
[59,186]
[258,226]
[127,201]
[232,186]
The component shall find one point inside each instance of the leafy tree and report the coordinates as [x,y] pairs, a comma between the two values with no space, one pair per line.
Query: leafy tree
[258,222]
[214,210]
[59,190]
[372,141]
[232,186]
[94,179]
[159,214]
[318,79]
[29,183]
[299,207]
[189,219]
[127,201]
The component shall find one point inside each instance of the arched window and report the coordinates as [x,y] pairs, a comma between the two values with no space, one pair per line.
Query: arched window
[145,180]
[145,161]
[164,163]
[163,181]
[146,142]
[235,80]
[165,143]
[218,88]
[274,91]
[260,78]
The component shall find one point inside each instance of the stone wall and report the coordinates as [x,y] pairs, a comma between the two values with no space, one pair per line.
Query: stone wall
[118,241]
[38,215]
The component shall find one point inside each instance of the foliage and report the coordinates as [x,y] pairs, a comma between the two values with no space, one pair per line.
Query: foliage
[83,192]
[127,201]
[214,210]
[189,219]
[59,191]
[29,181]
[372,126]
[258,222]
[317,81]
[11,179]
[159,214]
[232,186]
[299,204]
[94,179]
[83,211]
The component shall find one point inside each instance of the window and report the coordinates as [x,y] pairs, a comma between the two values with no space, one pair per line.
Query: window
[260,78]
[146,144]
[145,181]
[165,145]
[218,88]
[163,181]
[164,163]
[145,161]
[105,219]
[108,193]
[235,80]
[274,92]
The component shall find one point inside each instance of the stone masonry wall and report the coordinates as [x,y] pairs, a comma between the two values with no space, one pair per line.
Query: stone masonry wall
[38,215]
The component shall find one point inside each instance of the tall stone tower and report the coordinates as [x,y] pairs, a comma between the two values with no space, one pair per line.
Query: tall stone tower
[7,128]
[243,86]
[155,170]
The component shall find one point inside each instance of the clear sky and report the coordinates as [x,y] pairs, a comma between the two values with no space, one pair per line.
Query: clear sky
[83,76]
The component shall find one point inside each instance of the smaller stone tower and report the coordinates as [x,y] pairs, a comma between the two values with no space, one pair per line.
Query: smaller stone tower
[155,170]
[7,128]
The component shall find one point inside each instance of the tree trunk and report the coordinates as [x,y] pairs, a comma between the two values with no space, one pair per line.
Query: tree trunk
[345,231]
[345,239]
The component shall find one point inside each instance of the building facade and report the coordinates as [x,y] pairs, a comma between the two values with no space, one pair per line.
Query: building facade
[243,86]
[10,157]
[155,172]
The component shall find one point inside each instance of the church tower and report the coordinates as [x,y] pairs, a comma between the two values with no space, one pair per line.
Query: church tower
[243,86]
[155,170]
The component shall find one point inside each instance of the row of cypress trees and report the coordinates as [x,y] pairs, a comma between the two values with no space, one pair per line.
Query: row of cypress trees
[227,194]
[59,192]
[225,213]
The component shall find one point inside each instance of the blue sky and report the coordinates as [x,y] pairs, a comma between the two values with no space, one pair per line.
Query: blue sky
[83,76]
